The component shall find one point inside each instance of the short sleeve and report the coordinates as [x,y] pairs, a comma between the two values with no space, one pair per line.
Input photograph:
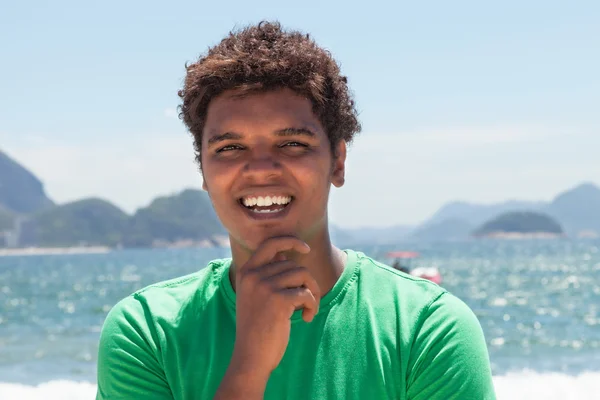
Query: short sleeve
[449,357]
[128,365]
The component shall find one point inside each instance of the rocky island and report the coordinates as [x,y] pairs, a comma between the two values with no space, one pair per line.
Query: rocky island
[520,225]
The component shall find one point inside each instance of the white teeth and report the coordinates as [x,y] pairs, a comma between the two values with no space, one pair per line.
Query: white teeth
[265,201]
[249,201]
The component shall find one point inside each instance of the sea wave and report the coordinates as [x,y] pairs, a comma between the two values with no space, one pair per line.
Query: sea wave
[526,385]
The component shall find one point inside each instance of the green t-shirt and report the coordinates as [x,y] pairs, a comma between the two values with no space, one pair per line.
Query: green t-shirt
[379,334]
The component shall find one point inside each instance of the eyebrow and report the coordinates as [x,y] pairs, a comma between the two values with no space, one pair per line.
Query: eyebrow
[281,132]
[222,137]
[295,132]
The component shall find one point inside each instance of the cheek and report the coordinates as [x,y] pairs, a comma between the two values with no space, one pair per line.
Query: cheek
[215,185]
[315,181]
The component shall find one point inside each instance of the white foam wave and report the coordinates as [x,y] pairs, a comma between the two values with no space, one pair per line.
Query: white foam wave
[527,385]
[53,390]
[530,385]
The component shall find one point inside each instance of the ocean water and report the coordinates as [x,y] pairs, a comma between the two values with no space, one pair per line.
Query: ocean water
[538,303]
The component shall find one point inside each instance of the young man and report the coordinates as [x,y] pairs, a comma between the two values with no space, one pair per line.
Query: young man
[289,316]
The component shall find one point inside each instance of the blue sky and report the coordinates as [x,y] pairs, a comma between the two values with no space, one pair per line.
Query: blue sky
[459,100]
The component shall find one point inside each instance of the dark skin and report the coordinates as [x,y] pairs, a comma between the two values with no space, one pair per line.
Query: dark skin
[271,144]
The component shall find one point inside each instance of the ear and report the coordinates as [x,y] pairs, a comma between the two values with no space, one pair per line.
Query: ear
[339,164]
[204,187]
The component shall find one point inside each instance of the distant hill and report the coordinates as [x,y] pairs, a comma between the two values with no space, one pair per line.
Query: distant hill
[578,209]
[20,190]
[476,214]
[457,219]
[89,221]
[447,229]
[184,216]
[519,222]
[6,219]
[187,215]
[372,235]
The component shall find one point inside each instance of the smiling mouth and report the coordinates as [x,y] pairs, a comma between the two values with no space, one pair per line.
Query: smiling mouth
[266,204]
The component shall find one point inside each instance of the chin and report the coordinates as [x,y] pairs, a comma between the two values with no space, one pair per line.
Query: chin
[252,237]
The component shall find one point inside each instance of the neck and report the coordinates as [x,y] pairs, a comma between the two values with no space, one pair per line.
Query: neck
[325,262]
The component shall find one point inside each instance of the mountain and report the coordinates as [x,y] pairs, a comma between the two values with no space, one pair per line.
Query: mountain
[6,219]
[456,220]
[168,219]
[578,209]
[370,235]
[188,215]
[20,190]
[89,221]
[447,229]
[478,213]
[184,216]
[521,223]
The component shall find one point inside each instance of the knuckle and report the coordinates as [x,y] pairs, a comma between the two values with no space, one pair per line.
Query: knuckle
[264,287]
[249,276]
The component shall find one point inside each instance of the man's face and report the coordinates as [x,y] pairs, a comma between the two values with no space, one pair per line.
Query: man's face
[268,167]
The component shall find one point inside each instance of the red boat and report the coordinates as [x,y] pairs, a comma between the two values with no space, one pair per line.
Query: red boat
[403,261]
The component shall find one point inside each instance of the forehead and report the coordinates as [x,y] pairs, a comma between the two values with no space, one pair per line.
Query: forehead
[270,110]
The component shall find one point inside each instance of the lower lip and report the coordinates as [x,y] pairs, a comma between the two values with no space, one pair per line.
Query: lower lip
[266,215]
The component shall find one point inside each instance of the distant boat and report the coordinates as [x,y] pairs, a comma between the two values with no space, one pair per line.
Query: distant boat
[403,262]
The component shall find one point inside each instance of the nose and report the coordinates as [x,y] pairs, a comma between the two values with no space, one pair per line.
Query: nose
[262,164]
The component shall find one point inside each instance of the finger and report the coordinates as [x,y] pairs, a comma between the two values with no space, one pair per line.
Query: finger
[268,270]
[302,298]
[279,257]
[295,277]
[272,246]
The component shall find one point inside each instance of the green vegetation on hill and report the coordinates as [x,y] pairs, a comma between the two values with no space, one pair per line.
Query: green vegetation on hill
[520,222]
[188,215]
[20,190]
[89,222]
[185,216]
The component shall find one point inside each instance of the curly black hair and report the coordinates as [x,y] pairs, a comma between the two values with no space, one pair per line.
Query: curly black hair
[264,57]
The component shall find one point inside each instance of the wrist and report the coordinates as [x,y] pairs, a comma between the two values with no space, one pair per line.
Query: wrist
[243,381]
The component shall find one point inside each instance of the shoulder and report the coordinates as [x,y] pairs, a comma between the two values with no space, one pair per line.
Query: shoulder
[385,282]
[138,329]
[420,302]
[164,300]
[449,355]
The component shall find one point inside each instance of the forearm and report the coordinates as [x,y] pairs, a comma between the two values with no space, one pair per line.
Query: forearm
[239,383]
